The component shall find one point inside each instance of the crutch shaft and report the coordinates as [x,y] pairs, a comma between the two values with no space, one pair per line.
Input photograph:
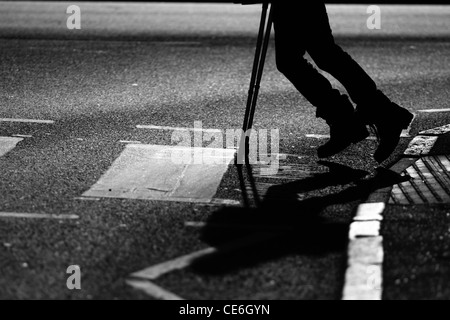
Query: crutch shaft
[260,71]
[257,73]
[256,64]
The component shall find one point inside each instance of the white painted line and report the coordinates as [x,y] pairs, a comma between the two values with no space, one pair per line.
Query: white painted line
[434,110]
[7,144]
[363,283]
[317,136]
[130,142]
[363,229]
[87,199]
[421,146]
[367,251]
[154,272]
[223,202]
[180,263]
[405,134]
[437,131]
[370,212]
[22,136]
[38,216]
[153,290]
[164,128]
[27,120]
[364,274]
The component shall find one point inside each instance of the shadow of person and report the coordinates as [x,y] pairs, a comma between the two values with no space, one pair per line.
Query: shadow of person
[283,225]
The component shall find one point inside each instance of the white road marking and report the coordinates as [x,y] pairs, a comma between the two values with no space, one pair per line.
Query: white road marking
[7,144]
[87,199]
[180,263]
[223,202]
[361,229]
[421,146]
[154,272]
[27,120]
[163,128]
[405,134]
[437,131]
[153,290]
[22,135]
[367,251]
[38,216]
[164,173]
[434,110]
[318,136]
[130,142]
[364,280]
[370,212]
[364,274]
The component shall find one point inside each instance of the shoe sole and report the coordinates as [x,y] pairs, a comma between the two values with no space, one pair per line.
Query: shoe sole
[406,120]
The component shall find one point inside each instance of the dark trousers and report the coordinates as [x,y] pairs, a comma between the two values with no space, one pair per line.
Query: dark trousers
[305,27]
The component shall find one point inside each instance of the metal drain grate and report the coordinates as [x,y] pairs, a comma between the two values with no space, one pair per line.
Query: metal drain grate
[429,184]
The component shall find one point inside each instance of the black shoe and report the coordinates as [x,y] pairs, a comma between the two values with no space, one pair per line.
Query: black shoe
[342,135]
[389,130]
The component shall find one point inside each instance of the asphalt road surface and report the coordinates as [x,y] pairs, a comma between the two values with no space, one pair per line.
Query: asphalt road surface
[135,71]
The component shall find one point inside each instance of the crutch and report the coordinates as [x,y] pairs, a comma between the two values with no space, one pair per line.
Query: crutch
[262,45]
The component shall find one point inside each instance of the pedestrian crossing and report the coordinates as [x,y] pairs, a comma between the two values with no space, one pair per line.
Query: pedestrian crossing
[194,175]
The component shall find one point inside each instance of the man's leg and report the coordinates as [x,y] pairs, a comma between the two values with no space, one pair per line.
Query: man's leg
[329,57]
[290,51]
[292,24]
[374,108]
